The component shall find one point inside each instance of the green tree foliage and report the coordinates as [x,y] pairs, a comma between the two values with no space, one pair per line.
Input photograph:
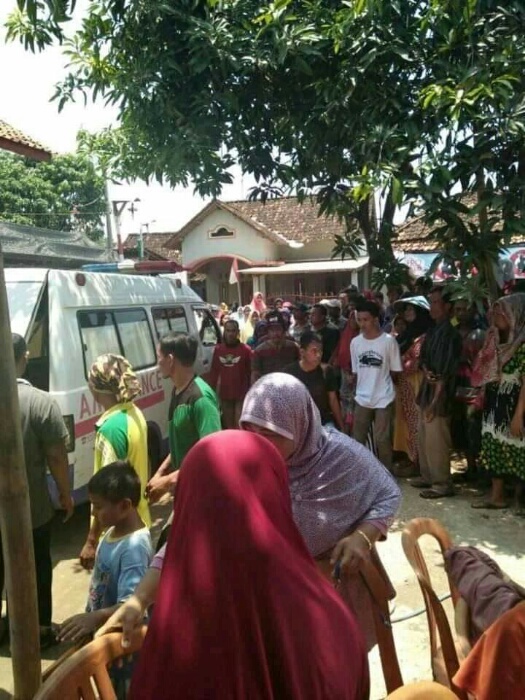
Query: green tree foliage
[63,194]
[475,87]
[406,98]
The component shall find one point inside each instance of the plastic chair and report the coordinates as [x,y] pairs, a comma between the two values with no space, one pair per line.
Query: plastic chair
[446,653]
[84,675]
[66,655]
[378,591]
[423,690]
[379,596]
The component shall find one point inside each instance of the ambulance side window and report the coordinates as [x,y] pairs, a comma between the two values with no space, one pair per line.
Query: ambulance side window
[135,335]
[98,334]
[169,320]
[122,331]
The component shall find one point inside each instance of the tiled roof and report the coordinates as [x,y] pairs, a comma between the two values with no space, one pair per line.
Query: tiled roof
[12,139]
[281,220]
[288,217]
[154,246]
[415,236]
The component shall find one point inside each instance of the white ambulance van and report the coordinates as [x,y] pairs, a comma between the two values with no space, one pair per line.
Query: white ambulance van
[70,317]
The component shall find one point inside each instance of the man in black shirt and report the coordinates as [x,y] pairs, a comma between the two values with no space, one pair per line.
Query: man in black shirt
[329,335]
[320,382]
[439,361]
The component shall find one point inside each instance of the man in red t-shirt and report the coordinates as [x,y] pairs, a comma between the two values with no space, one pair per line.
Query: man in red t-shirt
[230,374]
[277,352]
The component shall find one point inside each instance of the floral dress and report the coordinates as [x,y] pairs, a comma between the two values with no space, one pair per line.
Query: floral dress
[501,453]
[407,415]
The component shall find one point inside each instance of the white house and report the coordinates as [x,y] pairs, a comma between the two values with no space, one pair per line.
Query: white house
[280,247]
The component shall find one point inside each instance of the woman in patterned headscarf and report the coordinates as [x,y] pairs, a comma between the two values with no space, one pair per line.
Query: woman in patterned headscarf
[121,432]
[501,364]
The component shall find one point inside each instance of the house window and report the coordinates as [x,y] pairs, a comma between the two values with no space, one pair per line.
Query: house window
[221,232]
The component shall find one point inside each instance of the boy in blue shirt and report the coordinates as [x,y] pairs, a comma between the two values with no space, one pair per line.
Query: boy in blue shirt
[124,551]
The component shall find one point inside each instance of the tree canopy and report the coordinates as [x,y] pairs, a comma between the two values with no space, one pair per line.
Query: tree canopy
[409,98]
[63,194]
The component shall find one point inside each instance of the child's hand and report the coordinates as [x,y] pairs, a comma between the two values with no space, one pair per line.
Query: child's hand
[77,627]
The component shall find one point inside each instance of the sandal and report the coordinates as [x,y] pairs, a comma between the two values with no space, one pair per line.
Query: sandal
[488,505]
[434,495]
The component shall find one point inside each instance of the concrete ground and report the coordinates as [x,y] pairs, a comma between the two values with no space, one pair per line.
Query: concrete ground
[499,533]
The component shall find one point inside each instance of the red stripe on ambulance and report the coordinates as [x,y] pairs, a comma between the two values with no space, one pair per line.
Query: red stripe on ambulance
[85,427]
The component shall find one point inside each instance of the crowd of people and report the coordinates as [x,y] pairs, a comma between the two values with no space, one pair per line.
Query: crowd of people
[283,464]
[418,379]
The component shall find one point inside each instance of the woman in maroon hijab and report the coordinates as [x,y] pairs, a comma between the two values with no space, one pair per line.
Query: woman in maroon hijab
[242,613]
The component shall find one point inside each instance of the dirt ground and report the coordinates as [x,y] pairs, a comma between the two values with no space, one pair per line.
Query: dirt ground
[500,533]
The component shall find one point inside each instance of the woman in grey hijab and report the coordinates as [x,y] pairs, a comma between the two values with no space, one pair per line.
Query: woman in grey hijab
[343,498]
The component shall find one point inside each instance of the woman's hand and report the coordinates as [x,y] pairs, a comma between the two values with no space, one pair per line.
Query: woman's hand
[351,551]
[516,426]
[128,617]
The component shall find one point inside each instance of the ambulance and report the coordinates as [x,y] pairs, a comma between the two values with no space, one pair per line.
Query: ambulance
[70,317]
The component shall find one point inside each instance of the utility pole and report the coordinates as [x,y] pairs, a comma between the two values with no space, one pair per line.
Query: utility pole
[118,208]
[141,240]
[15,522]
[109,227]
[143,226]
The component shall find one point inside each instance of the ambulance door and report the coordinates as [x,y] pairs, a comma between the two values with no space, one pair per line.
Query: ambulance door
[209,335]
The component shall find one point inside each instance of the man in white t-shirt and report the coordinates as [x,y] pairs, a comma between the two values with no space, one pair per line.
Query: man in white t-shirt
[375,362]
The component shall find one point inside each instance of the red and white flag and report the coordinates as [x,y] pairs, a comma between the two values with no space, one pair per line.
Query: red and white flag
[234,272]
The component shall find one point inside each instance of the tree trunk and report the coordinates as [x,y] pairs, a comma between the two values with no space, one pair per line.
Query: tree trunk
[15,522]
[486,270]
[378,239]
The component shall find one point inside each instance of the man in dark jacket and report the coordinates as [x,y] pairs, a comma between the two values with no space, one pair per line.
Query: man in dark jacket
[439,360]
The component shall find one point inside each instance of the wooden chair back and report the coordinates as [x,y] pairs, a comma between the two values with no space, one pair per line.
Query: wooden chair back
[444,655]
[84,675]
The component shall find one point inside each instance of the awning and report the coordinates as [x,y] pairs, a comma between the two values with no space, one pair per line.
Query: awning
[40,247]
[308,267]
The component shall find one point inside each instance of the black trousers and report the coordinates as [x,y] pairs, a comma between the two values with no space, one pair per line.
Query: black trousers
[44,573]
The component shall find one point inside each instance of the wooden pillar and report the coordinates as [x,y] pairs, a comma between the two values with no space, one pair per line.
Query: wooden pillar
[15,522]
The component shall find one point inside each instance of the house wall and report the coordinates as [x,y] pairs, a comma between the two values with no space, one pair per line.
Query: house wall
[245,242]
[314,250]
[248,244]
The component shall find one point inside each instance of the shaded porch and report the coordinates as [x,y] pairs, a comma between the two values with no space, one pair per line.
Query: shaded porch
[308,282]
[214,283]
